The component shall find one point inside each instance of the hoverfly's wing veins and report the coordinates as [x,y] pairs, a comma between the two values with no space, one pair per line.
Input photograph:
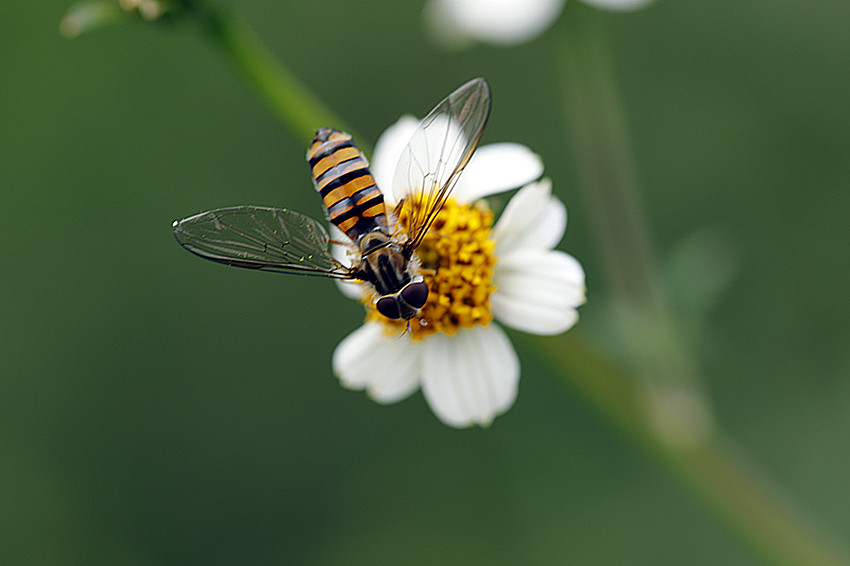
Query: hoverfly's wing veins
[341,175]
[270,239]
[440,148]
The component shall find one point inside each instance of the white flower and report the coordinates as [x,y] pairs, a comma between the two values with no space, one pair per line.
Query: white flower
[466,367]
[457,23]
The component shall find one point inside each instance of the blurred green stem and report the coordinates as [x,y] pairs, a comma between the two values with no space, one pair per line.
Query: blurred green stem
[660,404]
[296,107]
[604,158]
[649,334]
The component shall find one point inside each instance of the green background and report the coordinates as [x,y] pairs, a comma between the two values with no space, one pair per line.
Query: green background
[158,409]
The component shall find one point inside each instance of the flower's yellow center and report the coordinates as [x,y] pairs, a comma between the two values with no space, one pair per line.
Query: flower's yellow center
[456,260]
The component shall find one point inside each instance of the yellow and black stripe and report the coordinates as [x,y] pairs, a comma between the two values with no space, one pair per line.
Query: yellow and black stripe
[353,201]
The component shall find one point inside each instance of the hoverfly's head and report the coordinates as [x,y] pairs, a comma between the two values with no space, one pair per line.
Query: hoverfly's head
[406,303]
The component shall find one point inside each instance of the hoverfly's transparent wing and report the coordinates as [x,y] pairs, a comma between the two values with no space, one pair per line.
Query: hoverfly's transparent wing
[440,148]
[271,239]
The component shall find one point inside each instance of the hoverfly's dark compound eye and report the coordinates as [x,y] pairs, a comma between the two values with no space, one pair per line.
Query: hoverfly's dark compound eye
[415,293]
[389,307]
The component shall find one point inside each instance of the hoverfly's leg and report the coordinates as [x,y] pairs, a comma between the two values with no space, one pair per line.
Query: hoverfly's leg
[406,330]
[418,320]
[339,243]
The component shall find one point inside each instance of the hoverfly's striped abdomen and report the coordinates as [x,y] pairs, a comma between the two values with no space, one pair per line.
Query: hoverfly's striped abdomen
[353,201]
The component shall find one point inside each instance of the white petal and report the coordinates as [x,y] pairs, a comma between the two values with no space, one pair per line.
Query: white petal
[351,289]
[423,163]
[400,373]
[386,366]
[532,219]
[496,168]
[388,150]
[501,22]
[538,291]
[470,377]
[619,5]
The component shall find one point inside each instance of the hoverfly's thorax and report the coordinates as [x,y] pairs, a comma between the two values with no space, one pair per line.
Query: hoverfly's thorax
[383,264]
[371,241]
[341,175]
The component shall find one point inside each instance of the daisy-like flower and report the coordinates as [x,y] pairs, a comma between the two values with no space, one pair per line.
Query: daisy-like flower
[477,272]
[458,23]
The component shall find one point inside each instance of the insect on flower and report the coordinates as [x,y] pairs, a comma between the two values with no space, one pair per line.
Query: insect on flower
[282,240]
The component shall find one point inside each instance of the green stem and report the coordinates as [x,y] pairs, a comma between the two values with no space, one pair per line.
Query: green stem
[660,405]
[650,335]
[296,107]
[604,158]
[714,469]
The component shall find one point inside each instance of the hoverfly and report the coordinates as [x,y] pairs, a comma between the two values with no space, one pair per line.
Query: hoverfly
[282,240]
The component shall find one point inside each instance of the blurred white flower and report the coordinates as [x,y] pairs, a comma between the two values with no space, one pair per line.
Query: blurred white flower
[467,368]
[88,15]
[458,23]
